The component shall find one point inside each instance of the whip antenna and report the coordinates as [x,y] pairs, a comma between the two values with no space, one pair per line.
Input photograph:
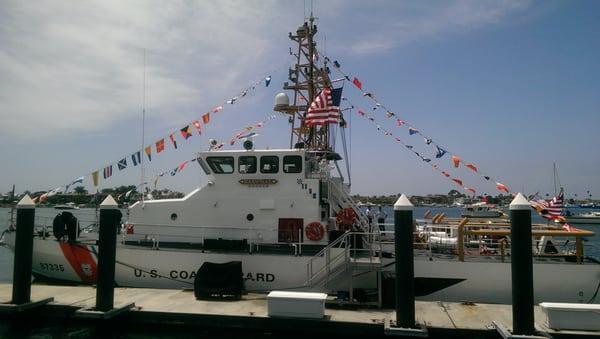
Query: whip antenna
[143,129]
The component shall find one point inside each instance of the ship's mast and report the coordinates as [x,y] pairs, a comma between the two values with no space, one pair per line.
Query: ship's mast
[306,80]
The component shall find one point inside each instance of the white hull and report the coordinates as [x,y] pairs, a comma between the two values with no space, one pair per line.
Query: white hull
[583,220]
[482,214]
[437,279]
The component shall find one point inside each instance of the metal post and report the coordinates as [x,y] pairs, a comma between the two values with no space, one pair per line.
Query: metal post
[110,218]
[21,293]
[521,266]
[405,271]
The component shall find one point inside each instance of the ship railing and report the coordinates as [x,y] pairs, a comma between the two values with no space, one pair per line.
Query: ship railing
[500,238]
[10,218]
[87,221]
[466,241]
[197,234]
[338,257]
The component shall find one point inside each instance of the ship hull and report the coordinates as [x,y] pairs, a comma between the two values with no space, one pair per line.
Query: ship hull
[583,220]
[437,279]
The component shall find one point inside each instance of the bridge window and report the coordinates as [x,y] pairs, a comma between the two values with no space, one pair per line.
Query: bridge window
[221,165]
[269,164]
[203,165]
[292,164]
[247,164]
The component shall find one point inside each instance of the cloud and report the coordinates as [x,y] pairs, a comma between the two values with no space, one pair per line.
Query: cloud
[401,23]
[79,65]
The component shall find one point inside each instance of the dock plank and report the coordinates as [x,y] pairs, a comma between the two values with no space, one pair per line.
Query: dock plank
[441,315]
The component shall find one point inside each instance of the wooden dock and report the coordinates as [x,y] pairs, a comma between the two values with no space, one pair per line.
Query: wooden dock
[179,307]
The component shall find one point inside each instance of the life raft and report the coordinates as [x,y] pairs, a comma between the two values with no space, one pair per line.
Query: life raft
[314,231]
[346,217]
[65,224]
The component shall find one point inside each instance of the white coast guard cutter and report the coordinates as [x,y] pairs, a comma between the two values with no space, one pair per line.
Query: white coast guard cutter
[287,216]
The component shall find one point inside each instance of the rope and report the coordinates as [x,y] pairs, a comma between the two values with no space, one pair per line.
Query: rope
[593,298]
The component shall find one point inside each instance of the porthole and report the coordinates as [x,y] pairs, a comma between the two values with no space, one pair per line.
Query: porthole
[173,216]
[250,217]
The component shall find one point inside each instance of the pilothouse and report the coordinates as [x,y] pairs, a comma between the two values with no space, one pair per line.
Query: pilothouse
[254,200]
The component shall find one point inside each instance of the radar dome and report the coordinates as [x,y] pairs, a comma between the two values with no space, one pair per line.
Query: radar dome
[282,102]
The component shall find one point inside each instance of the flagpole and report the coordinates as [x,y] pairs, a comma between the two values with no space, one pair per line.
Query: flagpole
[554,170]
[143,129]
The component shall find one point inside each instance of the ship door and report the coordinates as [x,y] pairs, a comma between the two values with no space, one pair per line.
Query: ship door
[290,230]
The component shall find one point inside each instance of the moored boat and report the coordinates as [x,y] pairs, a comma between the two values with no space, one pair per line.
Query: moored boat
[286,215]
[481,210]
[67,206]
[583,218]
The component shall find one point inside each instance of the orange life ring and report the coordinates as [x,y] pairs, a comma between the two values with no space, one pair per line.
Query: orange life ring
[346,217]
[315,231]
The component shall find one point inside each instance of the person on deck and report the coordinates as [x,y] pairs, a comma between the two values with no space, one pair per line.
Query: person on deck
[381,215]
[369,214]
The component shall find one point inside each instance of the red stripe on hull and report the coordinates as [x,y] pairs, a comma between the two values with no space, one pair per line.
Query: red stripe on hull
[81,260]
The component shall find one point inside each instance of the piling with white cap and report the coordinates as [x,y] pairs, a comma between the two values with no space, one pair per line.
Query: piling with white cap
[21,293]
[110,219]
[521,266]
[405,270]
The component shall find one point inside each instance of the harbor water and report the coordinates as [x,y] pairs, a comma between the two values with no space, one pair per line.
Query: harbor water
[87,216]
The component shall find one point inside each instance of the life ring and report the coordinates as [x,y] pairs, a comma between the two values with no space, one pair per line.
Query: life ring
[346,217]
[315,231]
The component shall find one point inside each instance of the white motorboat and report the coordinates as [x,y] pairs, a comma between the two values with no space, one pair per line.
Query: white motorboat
[67,206]
[481,210]
[287,216]
[583,218]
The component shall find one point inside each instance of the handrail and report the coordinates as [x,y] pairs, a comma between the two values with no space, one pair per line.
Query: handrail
[331,262]
[324,253]
[496,232]
[327,266]
[580,233]
[331,245]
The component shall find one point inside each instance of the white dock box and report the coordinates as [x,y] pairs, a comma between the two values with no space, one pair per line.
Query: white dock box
[565,316]
[296,304]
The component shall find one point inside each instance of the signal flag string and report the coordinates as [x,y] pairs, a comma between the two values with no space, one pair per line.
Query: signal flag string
[440,150]
[435,167]
[159,146]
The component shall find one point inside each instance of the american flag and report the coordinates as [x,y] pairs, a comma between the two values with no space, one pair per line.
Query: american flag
[550,209]
[322,111]
[569,228]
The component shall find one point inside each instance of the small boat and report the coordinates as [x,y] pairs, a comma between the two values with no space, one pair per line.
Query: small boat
[481,210]
[67,206]
[584,218]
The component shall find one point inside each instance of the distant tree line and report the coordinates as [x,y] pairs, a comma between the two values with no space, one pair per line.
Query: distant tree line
[452,197]
[80,196]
